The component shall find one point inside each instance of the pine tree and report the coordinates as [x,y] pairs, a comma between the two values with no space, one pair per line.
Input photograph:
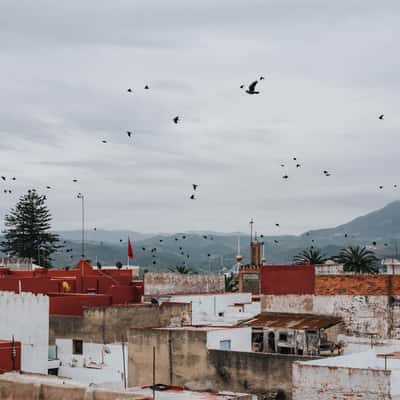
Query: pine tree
[27,231]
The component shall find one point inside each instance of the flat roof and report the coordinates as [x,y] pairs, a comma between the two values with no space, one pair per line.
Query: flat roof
[293,321]
[178,393]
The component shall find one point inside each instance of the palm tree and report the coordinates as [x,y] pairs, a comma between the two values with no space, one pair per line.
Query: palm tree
[358,259]
[231,283]
[181,269]
[310,256]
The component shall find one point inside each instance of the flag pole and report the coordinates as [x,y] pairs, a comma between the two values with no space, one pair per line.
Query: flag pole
[128,251]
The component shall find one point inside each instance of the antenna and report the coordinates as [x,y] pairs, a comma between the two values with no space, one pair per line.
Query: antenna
[251,229]
[238,244]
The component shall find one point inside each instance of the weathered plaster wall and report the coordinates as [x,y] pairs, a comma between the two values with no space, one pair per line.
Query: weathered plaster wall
[26,316]
[316,382]
[13,388]
[182,358]
[160,283]
[110,324]
[361,314]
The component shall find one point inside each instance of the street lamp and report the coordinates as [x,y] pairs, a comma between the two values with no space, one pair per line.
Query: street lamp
[82,197]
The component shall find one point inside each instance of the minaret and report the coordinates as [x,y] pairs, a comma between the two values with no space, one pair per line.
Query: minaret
[263,259]
[239,258]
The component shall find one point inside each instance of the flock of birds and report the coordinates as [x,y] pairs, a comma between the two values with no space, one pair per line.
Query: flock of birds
[251,89]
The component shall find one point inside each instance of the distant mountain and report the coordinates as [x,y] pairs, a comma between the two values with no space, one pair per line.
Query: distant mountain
[382,226]
[101,235]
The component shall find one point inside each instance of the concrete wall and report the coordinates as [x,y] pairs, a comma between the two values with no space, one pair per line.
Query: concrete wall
[17,388]
[110,324]
[361,314]
[182,358]
[208,308]
[26,316]
[159,283]
[240,338]
[109,359]
[317,382]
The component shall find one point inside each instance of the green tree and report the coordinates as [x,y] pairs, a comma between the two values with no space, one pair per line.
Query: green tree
[310,256]
[181,269]
[231,283]
[358,259]
[27,232]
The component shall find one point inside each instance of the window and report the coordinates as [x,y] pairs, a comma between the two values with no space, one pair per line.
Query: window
[77,347]
[283,336]
[224,344]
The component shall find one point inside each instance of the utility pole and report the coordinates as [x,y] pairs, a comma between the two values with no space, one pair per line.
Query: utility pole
[82,197]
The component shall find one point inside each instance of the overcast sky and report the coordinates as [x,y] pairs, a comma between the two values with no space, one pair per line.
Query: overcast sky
[330,67]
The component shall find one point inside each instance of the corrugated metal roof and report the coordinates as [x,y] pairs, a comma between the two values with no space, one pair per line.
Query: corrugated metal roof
[293,321]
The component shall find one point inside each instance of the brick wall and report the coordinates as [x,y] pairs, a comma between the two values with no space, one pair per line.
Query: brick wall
[358,285]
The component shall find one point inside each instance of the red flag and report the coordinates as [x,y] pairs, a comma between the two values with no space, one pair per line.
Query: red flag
[130,251]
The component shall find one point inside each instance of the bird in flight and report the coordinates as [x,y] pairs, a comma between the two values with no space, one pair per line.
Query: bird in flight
[48,187]
[277,225]
[14,178]
[380,187]
[3,177]
[261,78]
[298,165]
[282,165]
[104,141]
[285,176]
[374,243]
[129,90]
[276,241]
[195,186]
[192,197]
[241,86]
[252,88]
[146,87]
[176,119]
[129,133]
[75,180]
[382,116]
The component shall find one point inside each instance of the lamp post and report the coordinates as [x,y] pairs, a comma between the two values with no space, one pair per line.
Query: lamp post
[82,197]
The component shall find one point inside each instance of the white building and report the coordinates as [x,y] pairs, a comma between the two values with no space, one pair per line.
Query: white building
[370,375]
[217,309]
[26,317]
[103,365]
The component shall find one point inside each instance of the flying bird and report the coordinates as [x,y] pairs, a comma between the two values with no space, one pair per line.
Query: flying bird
[192,197]
[75,180]
[277,225]
[144,248]
[276,241]
[14,178]
[382,116]
[285,176]
[282,165]
[298,165]
[176,119]
[129,133]
[374,243]
[380,187]
[252,88]
[3,177]
[104,141]
[261,78]
[241,86]
[129,90]
[146,87]
[195,186]
[48,187]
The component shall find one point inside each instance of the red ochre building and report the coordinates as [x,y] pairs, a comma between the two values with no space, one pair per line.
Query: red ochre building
[70,291]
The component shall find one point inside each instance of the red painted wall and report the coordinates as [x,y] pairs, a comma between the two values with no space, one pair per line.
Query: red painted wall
[6,360]
[287,279]
[73,304]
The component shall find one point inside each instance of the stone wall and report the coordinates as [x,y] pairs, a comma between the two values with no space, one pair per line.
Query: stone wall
[362,315]
[317,382]
[110,324]
[161,283]
[182,359]
[15,388]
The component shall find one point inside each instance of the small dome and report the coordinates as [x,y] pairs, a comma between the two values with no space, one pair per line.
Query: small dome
[263,260]
[239,258]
